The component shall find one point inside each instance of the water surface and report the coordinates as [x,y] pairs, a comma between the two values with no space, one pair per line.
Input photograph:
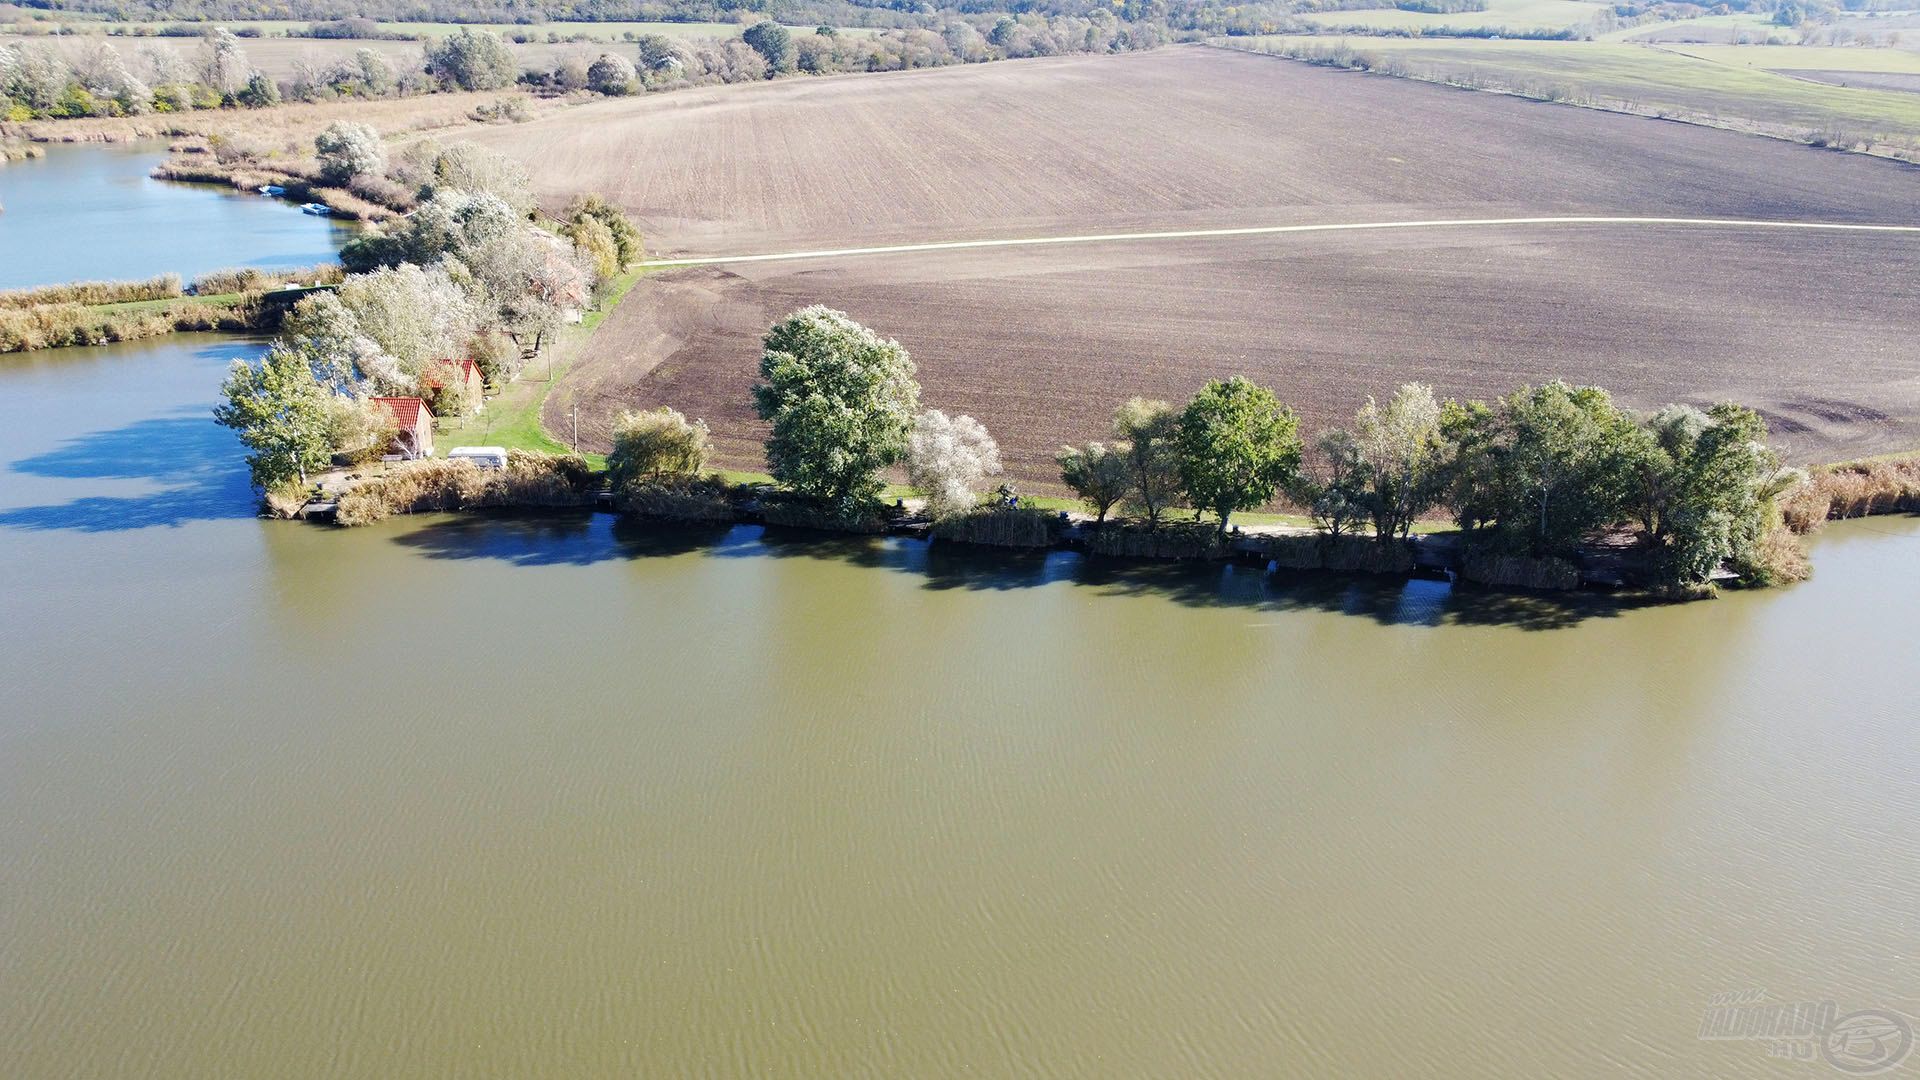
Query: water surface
[91,213]
[469,796]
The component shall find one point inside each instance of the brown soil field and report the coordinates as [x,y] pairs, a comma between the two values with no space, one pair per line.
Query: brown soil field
[1818,329]
[1042,344]
[1185,136]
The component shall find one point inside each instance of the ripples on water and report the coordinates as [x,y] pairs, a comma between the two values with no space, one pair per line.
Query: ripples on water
[477,795]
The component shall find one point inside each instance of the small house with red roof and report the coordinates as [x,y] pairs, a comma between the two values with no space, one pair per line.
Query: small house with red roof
[461,375]
[413,426]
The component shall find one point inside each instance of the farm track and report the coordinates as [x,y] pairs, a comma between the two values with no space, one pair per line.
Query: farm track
[1276,230]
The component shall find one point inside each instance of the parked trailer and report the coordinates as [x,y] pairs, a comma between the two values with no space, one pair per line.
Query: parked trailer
[485,457]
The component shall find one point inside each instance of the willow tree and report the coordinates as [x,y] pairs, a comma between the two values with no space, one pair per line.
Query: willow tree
[841,400]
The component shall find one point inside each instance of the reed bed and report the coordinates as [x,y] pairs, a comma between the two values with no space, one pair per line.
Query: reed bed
[162,287]
[529,480]
[1851,490]
[247,279]
[53,326]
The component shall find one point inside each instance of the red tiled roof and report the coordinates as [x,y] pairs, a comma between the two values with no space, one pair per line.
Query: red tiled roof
[469,371]
[407,411]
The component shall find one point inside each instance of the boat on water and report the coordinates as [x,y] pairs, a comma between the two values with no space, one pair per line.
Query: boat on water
[271,189]
[316,209]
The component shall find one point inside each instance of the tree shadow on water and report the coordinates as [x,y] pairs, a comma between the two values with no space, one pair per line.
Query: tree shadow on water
[194,467]
[581,538]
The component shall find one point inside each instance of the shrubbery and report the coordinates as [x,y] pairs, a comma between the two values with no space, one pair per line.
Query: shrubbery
[530,479]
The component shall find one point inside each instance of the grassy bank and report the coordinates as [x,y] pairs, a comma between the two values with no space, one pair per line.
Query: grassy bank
[512,418]
[1730,88]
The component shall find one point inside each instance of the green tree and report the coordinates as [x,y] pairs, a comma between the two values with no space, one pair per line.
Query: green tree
[1339,497]
[1146,430]
[281,414]
[259,93]
[656,445]
[773,42]
[1703,485]
[472,60]
[1238,445]
[841,401]
[1543,467]
[1401,447]
[1100,474]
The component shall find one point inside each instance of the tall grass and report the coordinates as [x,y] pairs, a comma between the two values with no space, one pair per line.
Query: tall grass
[53,326]
[529,480]
[1855,489]
[163,287]
[253,279]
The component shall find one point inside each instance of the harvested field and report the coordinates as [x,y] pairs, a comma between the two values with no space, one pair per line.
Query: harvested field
[1040,343]
[1177,137]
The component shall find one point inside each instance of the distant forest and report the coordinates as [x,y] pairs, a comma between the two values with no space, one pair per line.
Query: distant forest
[1195,15]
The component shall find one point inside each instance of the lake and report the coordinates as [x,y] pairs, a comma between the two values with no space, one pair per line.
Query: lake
[91,213]
[558,795]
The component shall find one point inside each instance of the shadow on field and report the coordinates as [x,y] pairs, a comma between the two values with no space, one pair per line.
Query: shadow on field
[576,538]
[186,468]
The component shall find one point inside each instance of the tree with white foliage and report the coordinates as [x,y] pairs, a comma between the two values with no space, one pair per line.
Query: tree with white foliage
[347,151]
[223,65]
[947,458]
[413,314]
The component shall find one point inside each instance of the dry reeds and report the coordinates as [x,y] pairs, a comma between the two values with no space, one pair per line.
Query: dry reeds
[1855,489]
[163,287]
[53,326]
[529,480]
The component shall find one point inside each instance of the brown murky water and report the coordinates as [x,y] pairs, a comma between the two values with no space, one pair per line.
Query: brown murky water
[460,797]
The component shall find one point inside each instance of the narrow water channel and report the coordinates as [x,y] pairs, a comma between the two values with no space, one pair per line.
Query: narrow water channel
[91,213]
[461,796]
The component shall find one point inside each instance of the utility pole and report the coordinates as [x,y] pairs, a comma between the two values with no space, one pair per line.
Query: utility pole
[576,429]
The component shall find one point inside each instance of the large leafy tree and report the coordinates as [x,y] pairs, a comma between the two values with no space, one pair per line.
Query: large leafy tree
[1100,474]
[1543,467]
[1702,486]
[773,42]
[1238,445]
[841,401]
[281,414]
[1145,430]
[1400,446]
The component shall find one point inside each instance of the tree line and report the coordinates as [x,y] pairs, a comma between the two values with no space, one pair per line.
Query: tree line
[1535,473]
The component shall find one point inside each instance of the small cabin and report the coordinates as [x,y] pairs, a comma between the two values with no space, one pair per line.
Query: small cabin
[413,426]
[462,377]
[485,457]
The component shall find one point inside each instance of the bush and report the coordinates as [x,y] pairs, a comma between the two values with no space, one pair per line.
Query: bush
[655,446]
[529,480]
[256,279]
[1520,571]
[472,60]
[803,512]
[611,75]
[347,151]
[1168,540]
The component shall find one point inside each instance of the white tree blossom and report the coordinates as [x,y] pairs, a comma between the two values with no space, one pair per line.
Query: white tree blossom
[947,458]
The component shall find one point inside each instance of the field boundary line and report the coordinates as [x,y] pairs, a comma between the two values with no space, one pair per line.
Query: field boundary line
[1278,230]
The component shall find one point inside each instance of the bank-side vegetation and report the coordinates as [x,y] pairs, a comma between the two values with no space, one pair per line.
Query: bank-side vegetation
[475,273]
[1683,498]
[101,312]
